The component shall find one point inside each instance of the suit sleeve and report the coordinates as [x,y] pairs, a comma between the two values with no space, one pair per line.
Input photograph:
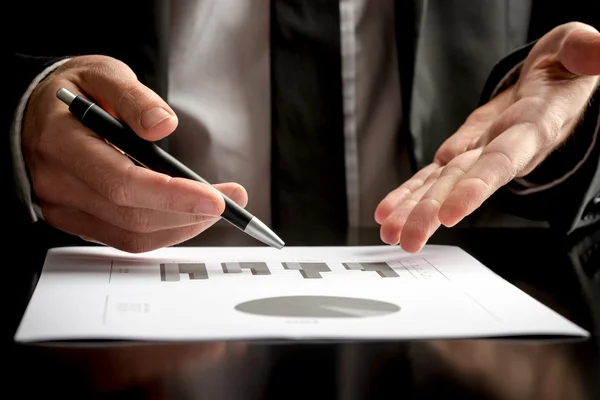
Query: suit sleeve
[26,73]
[565,189]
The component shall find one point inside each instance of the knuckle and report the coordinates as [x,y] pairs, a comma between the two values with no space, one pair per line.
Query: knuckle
[536,128]
[115,190]
[133,242]
[134,219]
[550,127]
[433,177]
[70,71]
[400,192]
[45,146]
[117,187]
[452,169]
[471,189]
[407,191]
[105,66]
[482,181]
[129,94]
[413,183]
[43,187]
[170,201]
[412,201]
[500,158]
[429,199]
[546,130]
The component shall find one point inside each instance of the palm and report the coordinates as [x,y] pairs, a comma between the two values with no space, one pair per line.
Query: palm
[506,138]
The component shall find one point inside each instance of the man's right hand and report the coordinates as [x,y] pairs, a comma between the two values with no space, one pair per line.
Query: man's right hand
[87,188]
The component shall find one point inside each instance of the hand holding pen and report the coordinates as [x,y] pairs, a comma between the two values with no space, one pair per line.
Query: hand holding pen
[87,188]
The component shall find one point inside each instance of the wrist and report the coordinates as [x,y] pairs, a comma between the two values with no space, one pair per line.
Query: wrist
[21,175]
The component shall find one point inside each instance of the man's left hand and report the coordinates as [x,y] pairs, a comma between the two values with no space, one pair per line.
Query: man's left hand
[504,139]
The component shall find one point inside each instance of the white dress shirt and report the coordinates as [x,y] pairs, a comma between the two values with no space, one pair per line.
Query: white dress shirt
[219,87]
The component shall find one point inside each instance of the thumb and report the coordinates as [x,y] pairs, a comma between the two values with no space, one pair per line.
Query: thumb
[114,86]
[580,52]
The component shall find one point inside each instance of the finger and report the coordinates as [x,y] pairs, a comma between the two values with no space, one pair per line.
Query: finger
[60,188]
[115,177]
[397,196]
[114,86]
[391,228]
[423,220]
[504,158]
[234,191]
[91,228]
[580,52]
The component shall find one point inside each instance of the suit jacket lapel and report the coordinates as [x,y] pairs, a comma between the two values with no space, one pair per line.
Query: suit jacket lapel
[454,48]
[408,14]
[157,46]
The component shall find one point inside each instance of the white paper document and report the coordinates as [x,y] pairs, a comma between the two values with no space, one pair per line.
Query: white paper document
[260,293]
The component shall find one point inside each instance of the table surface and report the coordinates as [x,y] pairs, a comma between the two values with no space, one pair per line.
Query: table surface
[562,272]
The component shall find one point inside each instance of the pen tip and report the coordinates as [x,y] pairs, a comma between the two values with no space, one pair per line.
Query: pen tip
[65,96]
[275,241]
[260,231]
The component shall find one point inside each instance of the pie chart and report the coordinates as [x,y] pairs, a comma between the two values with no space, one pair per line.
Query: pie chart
[317,307]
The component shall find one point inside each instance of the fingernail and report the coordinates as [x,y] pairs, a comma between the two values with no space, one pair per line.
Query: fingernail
[153,117]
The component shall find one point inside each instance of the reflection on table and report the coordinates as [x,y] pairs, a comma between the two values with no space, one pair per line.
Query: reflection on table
[563,273]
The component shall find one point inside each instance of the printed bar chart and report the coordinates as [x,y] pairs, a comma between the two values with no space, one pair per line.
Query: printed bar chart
[308,270]
[382,268]
[257,268]
[171,272]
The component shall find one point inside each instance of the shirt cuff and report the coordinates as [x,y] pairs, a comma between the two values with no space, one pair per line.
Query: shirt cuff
[23,184]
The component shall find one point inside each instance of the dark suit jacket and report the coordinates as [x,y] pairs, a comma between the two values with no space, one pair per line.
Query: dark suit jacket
[452,55]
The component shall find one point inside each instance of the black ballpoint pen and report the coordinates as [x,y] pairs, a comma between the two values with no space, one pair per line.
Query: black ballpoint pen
[151,156]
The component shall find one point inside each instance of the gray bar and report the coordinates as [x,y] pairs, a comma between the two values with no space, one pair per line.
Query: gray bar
[231,268]
[257,268]
[308,270]
[382,268]
[169,272]
[194,270]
